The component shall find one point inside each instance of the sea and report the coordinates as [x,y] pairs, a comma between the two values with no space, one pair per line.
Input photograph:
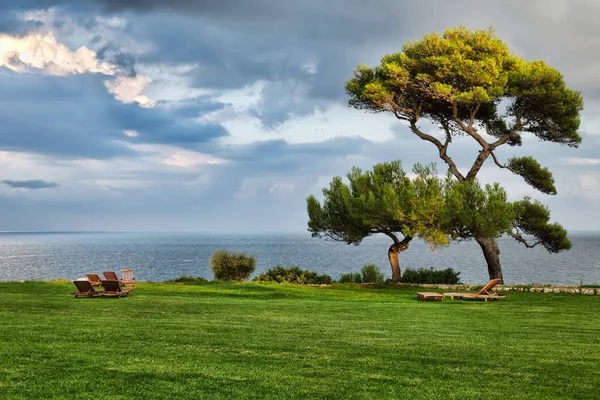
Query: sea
[159,256]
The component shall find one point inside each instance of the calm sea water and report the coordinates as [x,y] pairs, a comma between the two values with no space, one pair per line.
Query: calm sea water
[162,256]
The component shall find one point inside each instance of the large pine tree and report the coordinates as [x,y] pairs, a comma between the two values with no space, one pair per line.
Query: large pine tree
[468,83]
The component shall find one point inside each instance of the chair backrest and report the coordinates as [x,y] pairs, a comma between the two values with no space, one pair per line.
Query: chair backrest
[110,276]
[94,278]
[111,285]
[127,275]
[84,286]
[490,285]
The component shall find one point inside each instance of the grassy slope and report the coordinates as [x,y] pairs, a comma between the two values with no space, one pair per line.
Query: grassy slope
[279,341]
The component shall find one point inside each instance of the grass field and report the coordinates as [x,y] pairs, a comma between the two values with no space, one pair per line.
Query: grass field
[282,341]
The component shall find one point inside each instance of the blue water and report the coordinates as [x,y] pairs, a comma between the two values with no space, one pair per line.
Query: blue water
[162,256]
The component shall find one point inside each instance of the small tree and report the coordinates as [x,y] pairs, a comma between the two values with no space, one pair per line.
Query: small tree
[468,83]
[232,266]
[384,201]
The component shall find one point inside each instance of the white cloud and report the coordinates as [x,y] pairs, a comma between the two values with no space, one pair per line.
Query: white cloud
[42,53]
[187,159]
[131,133]
[580,161]
[337,121]
[129,90]
[590,184]
[171,83]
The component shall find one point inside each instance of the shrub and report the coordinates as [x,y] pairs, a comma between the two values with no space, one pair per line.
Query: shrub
[293,275]
[190,280]
[431,276]
[232,266]
[369,273]
[351,278]
[372,274]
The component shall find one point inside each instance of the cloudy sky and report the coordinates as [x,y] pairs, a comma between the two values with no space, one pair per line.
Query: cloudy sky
[222,116]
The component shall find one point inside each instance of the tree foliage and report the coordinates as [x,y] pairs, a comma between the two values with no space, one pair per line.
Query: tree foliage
[533,218]
[436,209]
[475,211]
[459,80]
[534,174]
[384,200]
[468,83]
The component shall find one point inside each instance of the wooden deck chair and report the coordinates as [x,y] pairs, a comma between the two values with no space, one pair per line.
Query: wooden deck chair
[127,278]
[110,276]
[94,279]
[487,292]
[112,288]
[85,288]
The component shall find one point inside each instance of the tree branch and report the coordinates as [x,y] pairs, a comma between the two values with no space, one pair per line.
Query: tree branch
[441,147]
[502,165]
[469,128]
[473,115]
[519,238]
[504,138]
[448,136]
[391,234]
[401,117]
[478,163]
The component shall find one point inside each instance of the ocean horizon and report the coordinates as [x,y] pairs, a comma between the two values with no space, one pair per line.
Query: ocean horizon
[163,255]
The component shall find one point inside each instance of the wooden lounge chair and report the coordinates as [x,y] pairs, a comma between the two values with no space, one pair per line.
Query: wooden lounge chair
[111,276]
[487,292]
[94,279]
[429,295]
[127,278]
[85,288]
[112,288]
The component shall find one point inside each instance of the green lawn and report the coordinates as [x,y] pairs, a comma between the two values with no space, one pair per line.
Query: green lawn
[282,341]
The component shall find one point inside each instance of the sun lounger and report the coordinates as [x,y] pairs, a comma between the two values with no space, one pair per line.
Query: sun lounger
[112,288]
[84,288]
[429,295]
[111,276]
[94,279]
[127,278]
[487,292]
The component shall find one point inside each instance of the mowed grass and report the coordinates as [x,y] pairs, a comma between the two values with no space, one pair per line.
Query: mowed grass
[249,341]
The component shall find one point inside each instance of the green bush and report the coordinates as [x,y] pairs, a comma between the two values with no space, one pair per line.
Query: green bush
[293,275]
[431,276]
[372,274]
[369,273]
[232,266]
[351,278]
[190,280]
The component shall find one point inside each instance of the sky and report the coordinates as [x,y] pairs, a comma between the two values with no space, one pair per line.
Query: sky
[223,116]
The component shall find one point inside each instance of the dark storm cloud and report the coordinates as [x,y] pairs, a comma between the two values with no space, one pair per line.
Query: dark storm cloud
[237,42]
[30,184]
[302,51]
[53,115]
[196,107]
[124,62]
[9,24]
[279,157]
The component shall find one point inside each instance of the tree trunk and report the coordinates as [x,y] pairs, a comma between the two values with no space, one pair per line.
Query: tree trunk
[395,249]
[491,252]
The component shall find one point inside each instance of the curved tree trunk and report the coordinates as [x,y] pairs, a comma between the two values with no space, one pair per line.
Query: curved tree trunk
[491,252]
[395,249]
